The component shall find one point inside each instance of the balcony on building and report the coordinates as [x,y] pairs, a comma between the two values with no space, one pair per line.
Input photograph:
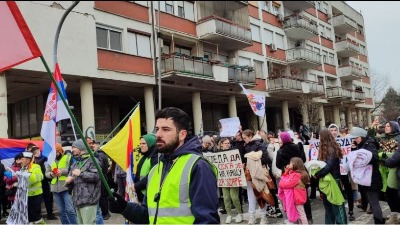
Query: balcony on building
[176,64]
[358,95]
[298,5]
[338,94]
[342,24]
[299,28]
[316,88]
[225,23]
[349,72]
[346,48]
[284,85]
[242,74]
[303,58]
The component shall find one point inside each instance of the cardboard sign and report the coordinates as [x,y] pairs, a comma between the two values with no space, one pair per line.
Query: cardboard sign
[230,168]
[345,145]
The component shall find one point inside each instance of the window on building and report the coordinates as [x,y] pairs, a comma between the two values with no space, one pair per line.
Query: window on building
[324,56]
[321,30]
[27,117]
[366,71]
[243,61]
[255,33]
[139,44]
[328,33]
[363,50]
[183,50]
[144,3]
[268,37]
[316,50]
[186,10]
[275,9]
[109,38]
[331,59]
[279,41]
[360,29]
[319,6]
[265,6]
[258,68]
[320,80]
[166,6]
[325,7]
[165,49]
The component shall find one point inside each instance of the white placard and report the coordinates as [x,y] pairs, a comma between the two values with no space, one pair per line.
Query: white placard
[229,127]
[230,168]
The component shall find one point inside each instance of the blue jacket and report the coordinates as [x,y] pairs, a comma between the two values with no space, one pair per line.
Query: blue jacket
[203,189]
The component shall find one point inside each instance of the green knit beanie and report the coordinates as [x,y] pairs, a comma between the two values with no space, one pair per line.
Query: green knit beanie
[150,139]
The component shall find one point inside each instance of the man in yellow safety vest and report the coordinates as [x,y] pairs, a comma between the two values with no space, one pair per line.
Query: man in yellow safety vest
[182,187]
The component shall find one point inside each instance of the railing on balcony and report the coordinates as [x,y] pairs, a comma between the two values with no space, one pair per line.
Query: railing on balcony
[300,22]
[344,20]
[316,88]
[349,70]
[284,83]
[296,54]
[186,65]
[338,92]
[359,95]
[243,75]
[346,45]
[229,28]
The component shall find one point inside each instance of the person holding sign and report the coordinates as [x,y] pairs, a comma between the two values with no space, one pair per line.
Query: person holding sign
[254,146]
[368,143]
[230,193]
[331,153]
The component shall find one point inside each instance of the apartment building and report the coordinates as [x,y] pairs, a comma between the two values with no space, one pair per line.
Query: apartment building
[281,49]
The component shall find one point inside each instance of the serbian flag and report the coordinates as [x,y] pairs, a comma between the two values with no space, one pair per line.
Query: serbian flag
[120,149]
[17,44]
[54,111]
[9,148]
[257,102]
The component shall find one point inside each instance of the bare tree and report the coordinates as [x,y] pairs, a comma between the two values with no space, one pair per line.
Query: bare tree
[380,82]
[312,117]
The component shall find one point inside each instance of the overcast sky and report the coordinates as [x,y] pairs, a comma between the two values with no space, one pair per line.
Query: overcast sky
[382,23]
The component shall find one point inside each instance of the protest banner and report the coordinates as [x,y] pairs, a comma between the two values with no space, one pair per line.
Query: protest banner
[230,168]
[19,209]
[345,145]
[229,127]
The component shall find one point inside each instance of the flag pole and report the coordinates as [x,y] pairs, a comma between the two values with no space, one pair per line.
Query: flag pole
[75,123]
[123,120]
[55,46]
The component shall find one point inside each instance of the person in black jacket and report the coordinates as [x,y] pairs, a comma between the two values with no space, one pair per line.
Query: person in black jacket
[3,197]
[331,153]
[363,142]
[104,164]
[253,143]
[146,162]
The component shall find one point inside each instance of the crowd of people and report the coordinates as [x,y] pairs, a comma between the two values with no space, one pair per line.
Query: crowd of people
[174,183]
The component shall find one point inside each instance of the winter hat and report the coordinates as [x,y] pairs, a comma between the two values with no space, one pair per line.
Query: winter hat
[358,132]
[79,145]
[27,155]
[59,148]
[333,126]
[285,137]
[150,139]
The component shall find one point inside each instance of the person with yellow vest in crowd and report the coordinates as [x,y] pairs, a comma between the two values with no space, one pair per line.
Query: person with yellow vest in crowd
[58,173]
[182,187]
[34,188]
[148,160]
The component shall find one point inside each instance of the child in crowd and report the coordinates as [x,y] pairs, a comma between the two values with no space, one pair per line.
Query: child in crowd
[292,190]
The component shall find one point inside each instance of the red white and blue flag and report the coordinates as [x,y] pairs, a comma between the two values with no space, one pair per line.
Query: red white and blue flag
[54,111]
[17,44]
[9,148]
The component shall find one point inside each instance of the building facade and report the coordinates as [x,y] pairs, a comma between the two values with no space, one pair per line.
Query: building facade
[287,51]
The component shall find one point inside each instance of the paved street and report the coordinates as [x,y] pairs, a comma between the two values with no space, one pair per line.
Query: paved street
[317,207]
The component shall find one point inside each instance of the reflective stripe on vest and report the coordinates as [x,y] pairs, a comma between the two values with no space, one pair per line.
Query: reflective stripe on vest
[62,164]
[174,203]
[35,188]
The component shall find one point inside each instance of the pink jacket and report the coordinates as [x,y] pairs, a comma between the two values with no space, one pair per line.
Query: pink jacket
[287,194]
